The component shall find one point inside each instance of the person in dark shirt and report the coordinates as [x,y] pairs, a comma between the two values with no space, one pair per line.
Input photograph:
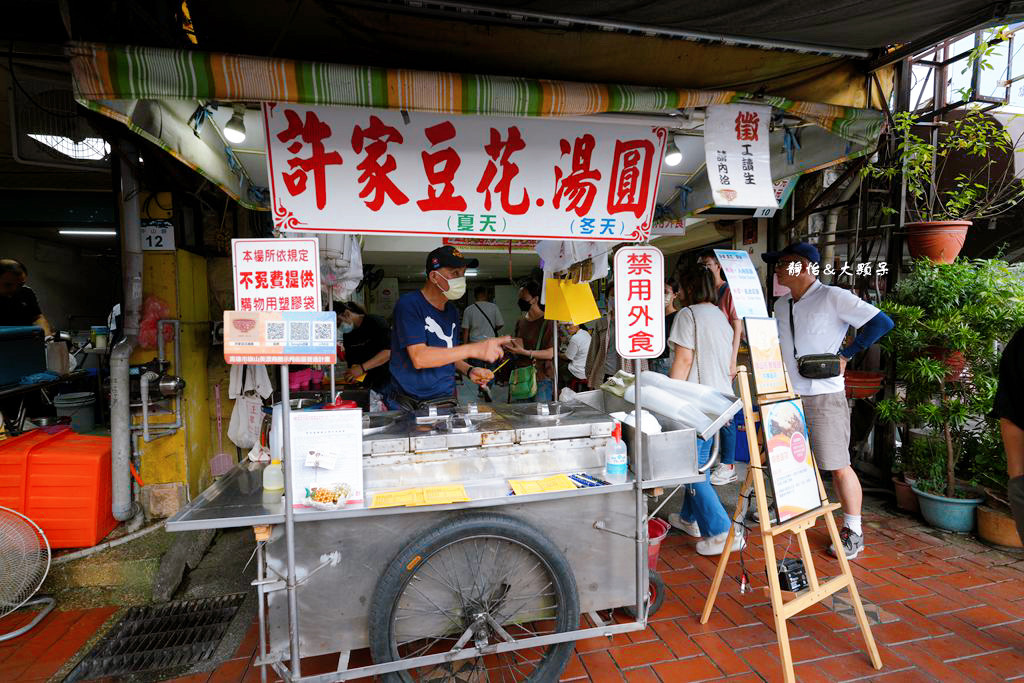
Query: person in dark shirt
[18,303]
[424,355]
[1009,408]
[367,340]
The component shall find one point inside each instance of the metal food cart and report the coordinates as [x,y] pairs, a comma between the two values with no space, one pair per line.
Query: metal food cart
[488,589]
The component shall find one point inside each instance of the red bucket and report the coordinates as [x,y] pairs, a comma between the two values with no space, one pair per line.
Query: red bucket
[657,530]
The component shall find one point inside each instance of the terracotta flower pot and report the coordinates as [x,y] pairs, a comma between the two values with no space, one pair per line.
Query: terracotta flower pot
[954,360]
[863,383]
[996,526]
[906,500]
[941,241]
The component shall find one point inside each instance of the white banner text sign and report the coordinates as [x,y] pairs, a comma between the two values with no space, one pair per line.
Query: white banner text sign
[388,172]
[639,302]
[738,155]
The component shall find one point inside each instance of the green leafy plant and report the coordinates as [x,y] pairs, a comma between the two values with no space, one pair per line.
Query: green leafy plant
[965,173]
[942,312]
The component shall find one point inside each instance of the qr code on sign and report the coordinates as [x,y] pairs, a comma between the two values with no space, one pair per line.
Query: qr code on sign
[298,332]
[323,332]
[275,332]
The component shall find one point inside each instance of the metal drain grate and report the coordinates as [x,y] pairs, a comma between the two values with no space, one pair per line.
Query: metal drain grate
[160,637]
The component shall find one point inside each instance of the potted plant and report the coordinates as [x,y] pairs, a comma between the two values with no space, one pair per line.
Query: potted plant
[966,172]
[988,462]
[966,308]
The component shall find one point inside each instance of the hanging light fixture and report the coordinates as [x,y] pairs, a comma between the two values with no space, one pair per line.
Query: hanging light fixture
[234,130]
[673,157]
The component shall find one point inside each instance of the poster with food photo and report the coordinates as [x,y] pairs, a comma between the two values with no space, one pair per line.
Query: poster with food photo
[793,475]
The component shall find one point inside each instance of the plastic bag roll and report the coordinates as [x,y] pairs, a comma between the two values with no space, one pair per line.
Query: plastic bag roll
[662,402]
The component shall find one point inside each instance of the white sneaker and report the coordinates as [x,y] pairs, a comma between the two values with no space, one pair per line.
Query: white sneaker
[689,528]
[716,544]
[723,474]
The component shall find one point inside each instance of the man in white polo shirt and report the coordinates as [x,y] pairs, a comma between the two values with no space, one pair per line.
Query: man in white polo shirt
[819,317]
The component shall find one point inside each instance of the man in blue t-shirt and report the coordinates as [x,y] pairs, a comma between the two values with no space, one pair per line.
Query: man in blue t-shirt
[424,356]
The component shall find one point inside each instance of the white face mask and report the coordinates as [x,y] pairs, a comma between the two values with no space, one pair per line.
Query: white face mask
[456,288]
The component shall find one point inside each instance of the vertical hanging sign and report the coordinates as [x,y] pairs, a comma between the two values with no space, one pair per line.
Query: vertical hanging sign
[738,156]
[639,302]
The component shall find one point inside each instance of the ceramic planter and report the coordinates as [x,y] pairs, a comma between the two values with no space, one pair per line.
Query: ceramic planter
[951,514]
[996,526]
[863,383]
[941,241]
[954,360]
[905,498]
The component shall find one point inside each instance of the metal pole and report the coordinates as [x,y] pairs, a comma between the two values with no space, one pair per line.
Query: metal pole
[641,514]
[289,522]
[261,608]
[332,384]
[554,349]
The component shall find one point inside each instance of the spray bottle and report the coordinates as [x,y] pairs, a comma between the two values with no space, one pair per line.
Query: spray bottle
[616,462]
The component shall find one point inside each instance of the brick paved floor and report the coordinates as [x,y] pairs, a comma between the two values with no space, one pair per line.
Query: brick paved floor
[945,608]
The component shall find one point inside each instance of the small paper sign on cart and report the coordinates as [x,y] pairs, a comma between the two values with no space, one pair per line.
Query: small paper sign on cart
[793,475]
[639,302]
[326,458]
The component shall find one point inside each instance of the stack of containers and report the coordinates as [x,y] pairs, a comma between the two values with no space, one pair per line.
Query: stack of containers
[61,481]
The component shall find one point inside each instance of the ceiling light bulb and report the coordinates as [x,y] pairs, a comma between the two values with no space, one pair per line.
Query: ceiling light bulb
[673,157]
[234,130]
[90,233]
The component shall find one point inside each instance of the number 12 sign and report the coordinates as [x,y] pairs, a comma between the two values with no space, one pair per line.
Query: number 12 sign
[639,302]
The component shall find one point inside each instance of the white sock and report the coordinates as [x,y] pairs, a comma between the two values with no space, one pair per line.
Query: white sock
[852,522]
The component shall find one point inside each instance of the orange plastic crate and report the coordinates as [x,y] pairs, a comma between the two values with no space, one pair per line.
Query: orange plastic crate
[65,485]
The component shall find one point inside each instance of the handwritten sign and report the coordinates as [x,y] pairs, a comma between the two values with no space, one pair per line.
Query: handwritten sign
[276,274]
[639,302]
[738,156]
[766,355]
[744,282]
[794,478]
[374,171]
[290,337]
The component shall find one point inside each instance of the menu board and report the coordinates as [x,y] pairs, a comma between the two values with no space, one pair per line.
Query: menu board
[766,356]
[793,474]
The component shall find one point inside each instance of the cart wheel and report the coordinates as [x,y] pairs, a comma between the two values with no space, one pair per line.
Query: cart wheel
[655,594]
[482,579]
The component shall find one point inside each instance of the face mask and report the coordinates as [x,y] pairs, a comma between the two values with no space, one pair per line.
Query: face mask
[524,305]
[346,327]
[456,288]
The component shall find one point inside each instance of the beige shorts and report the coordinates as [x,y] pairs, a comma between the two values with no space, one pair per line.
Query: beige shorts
[828,425]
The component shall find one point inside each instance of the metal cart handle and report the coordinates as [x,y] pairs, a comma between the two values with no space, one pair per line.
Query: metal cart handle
[713,460]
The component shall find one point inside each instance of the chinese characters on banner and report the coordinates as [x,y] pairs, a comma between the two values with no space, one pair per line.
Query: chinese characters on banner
[738,156]
[639,302]
[373,171]
[276,274]
[744,283]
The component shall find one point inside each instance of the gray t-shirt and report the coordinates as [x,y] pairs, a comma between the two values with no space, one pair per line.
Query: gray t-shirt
[705,330]
[478,318]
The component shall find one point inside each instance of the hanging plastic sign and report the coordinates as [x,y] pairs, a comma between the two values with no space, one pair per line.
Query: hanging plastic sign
[282,338]
[276,274]
[738,156]
[639,302]
[391,172]
[744,284]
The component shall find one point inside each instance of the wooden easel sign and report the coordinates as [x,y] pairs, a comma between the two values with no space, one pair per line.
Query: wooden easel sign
[783,447]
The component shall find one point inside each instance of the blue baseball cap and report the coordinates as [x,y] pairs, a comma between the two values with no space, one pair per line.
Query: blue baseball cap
[802,249]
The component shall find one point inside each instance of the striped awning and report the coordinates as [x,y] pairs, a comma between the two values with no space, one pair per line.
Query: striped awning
[153,91]
[102,72]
